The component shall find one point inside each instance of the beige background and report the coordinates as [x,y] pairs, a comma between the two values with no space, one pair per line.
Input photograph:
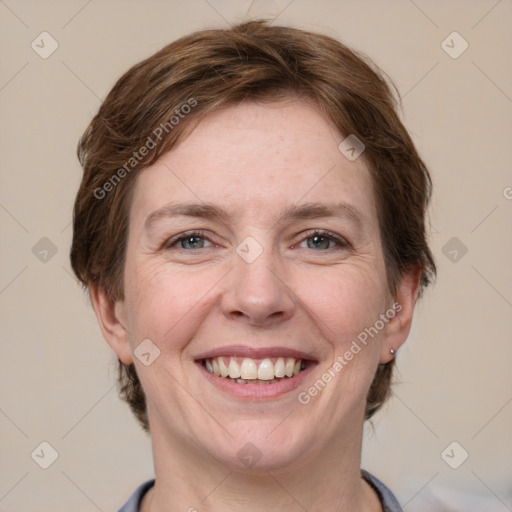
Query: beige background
[57,373]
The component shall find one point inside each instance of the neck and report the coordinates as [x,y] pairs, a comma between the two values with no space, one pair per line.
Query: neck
[188,479]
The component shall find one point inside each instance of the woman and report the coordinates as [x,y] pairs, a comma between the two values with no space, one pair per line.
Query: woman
[251,229]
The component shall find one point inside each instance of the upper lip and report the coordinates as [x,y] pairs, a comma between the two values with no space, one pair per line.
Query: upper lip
[255,353]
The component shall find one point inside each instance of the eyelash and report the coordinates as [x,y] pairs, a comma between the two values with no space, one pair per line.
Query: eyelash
[341,242]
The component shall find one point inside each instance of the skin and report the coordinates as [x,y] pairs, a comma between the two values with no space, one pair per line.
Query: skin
[254,160]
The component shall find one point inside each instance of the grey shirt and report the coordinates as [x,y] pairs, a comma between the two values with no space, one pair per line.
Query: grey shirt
[388,501]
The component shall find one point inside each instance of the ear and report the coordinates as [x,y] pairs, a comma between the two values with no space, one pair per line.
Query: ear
[112,320]
[399,326]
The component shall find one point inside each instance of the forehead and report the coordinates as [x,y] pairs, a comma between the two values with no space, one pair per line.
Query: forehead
[255,160]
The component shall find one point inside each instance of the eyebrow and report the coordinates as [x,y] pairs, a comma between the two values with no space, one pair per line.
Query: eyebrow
[294,212]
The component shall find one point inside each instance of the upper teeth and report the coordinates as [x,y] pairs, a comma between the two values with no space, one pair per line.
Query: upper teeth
[250,369]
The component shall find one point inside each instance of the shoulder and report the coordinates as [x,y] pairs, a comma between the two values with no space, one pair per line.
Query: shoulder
[133,504]
[387,498]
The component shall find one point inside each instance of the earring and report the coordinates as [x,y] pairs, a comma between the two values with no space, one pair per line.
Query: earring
[392,351]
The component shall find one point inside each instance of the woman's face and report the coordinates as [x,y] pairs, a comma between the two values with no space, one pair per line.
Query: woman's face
[257,283]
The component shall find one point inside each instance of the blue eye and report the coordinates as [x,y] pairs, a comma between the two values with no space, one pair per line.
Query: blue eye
[195,242]
[316,240]
[323,240]
[192,240]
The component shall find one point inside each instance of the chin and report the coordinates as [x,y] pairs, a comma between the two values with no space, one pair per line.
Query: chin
[264,448]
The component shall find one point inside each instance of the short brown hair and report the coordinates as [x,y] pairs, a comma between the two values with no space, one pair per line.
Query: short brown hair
[216,68]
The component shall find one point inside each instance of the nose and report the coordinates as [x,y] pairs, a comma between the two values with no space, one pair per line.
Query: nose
[257,292]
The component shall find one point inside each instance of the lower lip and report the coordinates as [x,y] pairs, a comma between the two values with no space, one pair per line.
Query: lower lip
[256,391]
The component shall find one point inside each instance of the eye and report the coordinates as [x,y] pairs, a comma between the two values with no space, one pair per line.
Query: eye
[317,240]
[186,241]
[323,240]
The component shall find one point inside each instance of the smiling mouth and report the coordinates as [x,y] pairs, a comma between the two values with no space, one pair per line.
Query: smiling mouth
[247,370]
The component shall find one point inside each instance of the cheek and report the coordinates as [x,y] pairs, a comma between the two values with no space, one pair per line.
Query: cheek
[345,304]
[344,301]
[165,307]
